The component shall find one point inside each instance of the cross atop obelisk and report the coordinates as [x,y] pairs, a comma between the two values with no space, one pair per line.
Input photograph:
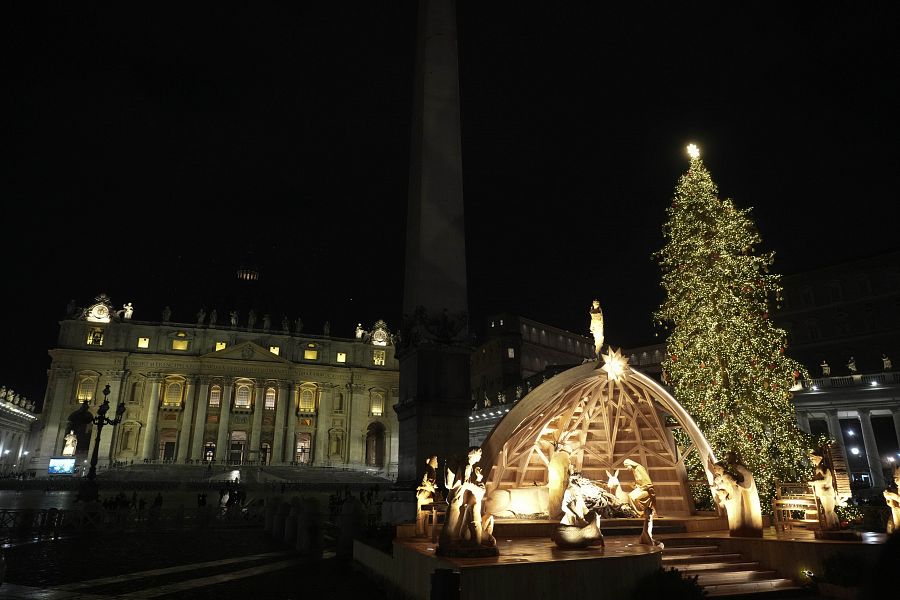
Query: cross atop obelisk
[434,400]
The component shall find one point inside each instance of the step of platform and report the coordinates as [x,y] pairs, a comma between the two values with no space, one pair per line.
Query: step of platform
[727,574]
[709,578]
[682,550]
[713,567]
[721,557]
[781,585]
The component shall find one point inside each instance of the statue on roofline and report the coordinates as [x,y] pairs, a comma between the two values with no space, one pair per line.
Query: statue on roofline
[596,327]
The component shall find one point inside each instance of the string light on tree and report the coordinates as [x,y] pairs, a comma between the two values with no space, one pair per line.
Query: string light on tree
[726,358]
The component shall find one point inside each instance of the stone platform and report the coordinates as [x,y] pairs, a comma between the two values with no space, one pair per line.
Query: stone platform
[517,528]
[529,567]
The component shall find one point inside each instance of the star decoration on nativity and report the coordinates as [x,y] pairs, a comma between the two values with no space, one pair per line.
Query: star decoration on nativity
[614,364]
[693,151]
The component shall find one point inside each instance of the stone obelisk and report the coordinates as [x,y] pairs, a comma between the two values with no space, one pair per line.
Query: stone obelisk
[434,402]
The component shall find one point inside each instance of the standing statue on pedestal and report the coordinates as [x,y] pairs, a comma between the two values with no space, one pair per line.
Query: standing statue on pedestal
[166,314]
[596,326]
[425,493]
[734,489]
[643,499]
[822,484]
[251,320]
[71,442]
[213,316]
[466,532]
[886,362]
[892,498]
[851,366]
[826,369]
[201,315]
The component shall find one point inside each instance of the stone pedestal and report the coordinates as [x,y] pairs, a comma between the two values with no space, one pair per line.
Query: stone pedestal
[433,412]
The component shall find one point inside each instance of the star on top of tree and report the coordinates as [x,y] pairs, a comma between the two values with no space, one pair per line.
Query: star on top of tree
[693,151]
[614,364]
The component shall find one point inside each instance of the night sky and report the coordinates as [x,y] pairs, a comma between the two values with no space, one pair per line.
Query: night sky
[153,147]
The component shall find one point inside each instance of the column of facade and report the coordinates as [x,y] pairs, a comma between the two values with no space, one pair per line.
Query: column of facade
[149,450]
[803,421]
[224,418]
[5,443]
[59,391]
[184,432]
[200,421]
[290,441]
[20,451]
[318,446]
[834,426]
[872,456]
[105,453]
[285,392]
[895,412]
[259,405]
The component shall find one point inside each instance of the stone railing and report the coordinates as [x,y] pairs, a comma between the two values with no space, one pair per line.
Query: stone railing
[869,379]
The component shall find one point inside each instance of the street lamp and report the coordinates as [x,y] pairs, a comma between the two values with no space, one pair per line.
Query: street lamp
[89,490]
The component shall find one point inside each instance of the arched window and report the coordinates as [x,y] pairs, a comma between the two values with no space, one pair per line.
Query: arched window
[265,453]
[307,400]
[836,291]
[376,403]
[270,398]
[242,397]
[338,402]
[812,330]
[336,443]
[87,387]
[173,395]
[375,445]
[809,298]
[215,398]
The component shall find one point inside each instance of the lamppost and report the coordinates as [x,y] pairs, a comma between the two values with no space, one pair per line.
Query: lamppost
[89,489]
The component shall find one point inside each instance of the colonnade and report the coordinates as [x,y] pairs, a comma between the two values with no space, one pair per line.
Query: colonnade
[864,417]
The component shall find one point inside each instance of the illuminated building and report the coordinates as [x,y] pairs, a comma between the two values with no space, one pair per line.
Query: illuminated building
[223,392]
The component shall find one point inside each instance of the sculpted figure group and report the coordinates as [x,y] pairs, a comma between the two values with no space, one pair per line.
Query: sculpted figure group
[426,493]
[892,498]
[466,531]
[586,502]
[734,489]
[822,484]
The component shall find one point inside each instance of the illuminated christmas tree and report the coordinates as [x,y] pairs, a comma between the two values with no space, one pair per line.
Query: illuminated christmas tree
[725,358]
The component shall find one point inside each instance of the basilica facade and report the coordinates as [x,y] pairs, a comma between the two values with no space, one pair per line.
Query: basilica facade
[219,393]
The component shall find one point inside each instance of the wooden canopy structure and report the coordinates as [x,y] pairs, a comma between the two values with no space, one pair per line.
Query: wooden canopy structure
[599,420]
